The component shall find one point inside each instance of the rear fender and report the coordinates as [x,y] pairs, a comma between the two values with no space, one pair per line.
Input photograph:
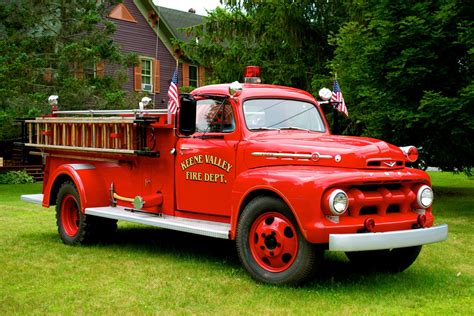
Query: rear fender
[92,188]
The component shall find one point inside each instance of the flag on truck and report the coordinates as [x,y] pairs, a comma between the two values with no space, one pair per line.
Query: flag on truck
[337,97]
[173,94]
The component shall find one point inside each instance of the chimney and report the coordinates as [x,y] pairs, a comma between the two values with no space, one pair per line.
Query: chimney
[192,10]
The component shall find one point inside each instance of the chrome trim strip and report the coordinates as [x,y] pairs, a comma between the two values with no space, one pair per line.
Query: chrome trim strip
[81,166]
[288,155]
[32,198]
[387,240]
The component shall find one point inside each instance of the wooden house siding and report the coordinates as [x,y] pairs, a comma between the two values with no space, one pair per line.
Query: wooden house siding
[140,38]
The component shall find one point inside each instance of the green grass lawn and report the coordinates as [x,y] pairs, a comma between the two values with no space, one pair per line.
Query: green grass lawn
[145,270]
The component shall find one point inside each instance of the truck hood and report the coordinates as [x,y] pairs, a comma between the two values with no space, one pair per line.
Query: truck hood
[301,148]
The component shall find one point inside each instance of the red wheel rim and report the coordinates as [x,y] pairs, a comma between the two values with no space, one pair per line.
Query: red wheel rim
[273,242]
[70,215]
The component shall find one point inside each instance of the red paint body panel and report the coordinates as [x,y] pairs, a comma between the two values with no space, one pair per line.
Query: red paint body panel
[212,178]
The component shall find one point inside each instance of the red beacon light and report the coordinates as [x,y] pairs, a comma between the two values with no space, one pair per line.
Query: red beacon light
[252,74]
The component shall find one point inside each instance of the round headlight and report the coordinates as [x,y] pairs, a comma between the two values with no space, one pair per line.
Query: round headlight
[338,202]
[424,196]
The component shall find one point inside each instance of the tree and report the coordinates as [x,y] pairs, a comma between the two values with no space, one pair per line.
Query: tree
[406,69]
[288,39]
[56,47]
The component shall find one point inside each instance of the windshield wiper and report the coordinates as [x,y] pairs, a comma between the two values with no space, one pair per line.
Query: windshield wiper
[295,128]
[265,129]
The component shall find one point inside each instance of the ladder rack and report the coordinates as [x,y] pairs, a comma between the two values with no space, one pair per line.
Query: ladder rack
[136,112]
[114,134]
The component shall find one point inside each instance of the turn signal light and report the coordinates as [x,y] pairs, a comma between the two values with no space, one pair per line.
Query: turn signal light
[421,220]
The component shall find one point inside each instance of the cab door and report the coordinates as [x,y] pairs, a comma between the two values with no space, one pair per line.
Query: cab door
[205,170]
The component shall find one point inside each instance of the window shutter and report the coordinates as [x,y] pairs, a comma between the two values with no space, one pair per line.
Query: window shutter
[137,75]
[156,75]
[100,69]
[78,70]
[202,75]
[185,75]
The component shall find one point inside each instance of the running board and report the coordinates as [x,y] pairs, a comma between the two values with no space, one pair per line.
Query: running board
[33,198]
[199,227]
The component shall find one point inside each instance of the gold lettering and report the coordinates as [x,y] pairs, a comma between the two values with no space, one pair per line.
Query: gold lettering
[193,176]
[191,161]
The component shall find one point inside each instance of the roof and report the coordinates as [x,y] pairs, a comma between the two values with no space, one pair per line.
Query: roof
[176,20]
[252,90]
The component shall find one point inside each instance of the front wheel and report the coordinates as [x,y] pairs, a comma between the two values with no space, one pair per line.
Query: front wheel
[389,260]
[271,246]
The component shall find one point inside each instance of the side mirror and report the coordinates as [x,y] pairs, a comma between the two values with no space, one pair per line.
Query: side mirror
[187,115]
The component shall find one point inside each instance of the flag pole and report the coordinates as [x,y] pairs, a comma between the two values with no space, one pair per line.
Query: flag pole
[176,70]
[335,124]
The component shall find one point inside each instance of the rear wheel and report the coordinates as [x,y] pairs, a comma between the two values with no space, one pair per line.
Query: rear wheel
[271,246]
[74,227]
[389,260]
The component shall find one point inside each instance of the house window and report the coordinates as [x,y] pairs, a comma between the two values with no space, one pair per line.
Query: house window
[146,71]
[147,75]
[193,76]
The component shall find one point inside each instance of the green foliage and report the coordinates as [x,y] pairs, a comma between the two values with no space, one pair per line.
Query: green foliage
[287,39]
[54,47]
[16,177]
[406,73]
[405,68]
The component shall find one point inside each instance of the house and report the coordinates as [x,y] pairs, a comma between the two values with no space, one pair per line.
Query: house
[149,31]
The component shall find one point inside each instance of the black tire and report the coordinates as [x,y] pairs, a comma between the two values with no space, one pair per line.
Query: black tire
[272,215]
[74,227]
[389,260]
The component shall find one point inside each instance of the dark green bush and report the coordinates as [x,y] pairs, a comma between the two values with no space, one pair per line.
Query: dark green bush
[16,177]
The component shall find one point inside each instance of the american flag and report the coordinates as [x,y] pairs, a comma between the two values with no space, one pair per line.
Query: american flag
[337,97]
[173,94]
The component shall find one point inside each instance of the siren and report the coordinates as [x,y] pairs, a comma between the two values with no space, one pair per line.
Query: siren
[252,74]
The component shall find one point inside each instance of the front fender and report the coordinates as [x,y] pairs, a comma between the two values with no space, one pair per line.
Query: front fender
[295,186]
[91,186]
[302,188]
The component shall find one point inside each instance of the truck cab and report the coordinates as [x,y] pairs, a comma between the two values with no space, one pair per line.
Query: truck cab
[248,162]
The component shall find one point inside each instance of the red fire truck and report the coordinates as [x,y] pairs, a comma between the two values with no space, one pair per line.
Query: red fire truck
[248,162]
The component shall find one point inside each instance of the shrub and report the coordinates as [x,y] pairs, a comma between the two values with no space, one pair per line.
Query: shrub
[16,177]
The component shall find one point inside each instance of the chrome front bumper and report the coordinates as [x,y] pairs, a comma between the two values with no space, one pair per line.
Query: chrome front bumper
[387,240]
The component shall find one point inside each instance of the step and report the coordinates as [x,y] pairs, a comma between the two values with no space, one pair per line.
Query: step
[199,227]
[33,198]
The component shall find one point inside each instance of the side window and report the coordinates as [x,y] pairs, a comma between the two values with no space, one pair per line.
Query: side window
[213,116]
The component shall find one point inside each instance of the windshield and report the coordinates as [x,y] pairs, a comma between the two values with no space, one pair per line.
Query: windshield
[268,114]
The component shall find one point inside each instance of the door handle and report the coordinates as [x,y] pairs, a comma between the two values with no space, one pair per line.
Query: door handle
[183,149]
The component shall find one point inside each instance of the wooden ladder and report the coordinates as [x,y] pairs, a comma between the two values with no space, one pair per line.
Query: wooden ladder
[92,134]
